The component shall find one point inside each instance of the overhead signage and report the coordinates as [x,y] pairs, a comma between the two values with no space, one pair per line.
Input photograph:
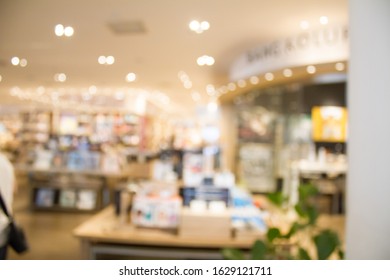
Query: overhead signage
[309,47]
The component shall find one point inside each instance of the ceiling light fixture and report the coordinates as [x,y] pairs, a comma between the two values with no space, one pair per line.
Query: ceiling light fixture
[254,80]
[61,30]
[106,60]
[269,76]
[224,89]
[287,72]
[232,86]
[311,69]
[183,76]
[199,27]
[340,66]
[205,60]
[131,77]
[1,78]
[15,61]
[60,77]
[110,60]
[241,83]
[23,62]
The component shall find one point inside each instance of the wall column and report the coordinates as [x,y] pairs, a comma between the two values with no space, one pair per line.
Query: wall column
[368,185]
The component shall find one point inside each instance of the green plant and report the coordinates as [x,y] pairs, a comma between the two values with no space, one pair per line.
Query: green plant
[301,234]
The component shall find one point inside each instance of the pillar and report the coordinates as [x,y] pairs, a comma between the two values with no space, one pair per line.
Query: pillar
[368,182]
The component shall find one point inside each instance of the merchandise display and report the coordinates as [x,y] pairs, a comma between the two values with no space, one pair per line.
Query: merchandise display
[156,204]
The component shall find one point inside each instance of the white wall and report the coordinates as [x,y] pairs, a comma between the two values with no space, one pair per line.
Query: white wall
[368,189]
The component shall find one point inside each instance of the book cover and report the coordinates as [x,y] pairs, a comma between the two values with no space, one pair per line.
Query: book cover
[45,197]
[68,198]
[86,199]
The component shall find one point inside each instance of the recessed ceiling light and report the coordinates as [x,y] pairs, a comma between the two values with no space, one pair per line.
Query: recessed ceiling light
[205,25]
[110,60]
[102,59]
[68,31]
[224,89]
[205,60]
[241,83]
[131,77]
[1,78]
[254,80]
[304,24]
[232,86]
[199,27]
[311,69]
[287,72]
[60,77]
[15,61]
[324,20]
[183,76]
[269,76]
[23,62]
[340,66]
[194,25]
[61,30]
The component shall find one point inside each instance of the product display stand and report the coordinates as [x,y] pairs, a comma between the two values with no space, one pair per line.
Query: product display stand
[70,190]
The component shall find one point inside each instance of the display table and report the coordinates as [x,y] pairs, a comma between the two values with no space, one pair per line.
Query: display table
[105,234]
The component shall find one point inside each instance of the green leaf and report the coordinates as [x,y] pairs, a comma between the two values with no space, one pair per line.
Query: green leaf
[259,250]
[303,254]
[273,233]
[306,191]
[341,254]
[300,210]
[232,254]
[277,198]
[294,228]
[326,242]
[312,214]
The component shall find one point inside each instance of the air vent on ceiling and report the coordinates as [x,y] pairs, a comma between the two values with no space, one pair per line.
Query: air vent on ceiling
[127,27]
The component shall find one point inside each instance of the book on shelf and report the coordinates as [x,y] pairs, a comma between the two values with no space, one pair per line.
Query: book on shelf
[86,200]
[45,197]
[68,198]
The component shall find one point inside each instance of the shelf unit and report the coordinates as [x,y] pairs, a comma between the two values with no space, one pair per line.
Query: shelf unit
[70,190]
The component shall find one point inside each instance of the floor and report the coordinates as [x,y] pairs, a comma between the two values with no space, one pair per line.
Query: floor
[50,233]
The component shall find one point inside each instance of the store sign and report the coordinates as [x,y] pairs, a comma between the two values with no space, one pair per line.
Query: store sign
[310,47]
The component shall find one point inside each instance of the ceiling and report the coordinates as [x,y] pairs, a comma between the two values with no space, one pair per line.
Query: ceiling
[157,55]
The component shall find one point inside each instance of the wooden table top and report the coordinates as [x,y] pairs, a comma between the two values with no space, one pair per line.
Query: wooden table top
[106,227]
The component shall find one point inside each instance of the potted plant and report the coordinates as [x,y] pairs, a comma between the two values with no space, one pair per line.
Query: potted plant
[302,239]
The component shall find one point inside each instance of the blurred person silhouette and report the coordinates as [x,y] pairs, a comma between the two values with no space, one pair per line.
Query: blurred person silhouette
[7,187]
